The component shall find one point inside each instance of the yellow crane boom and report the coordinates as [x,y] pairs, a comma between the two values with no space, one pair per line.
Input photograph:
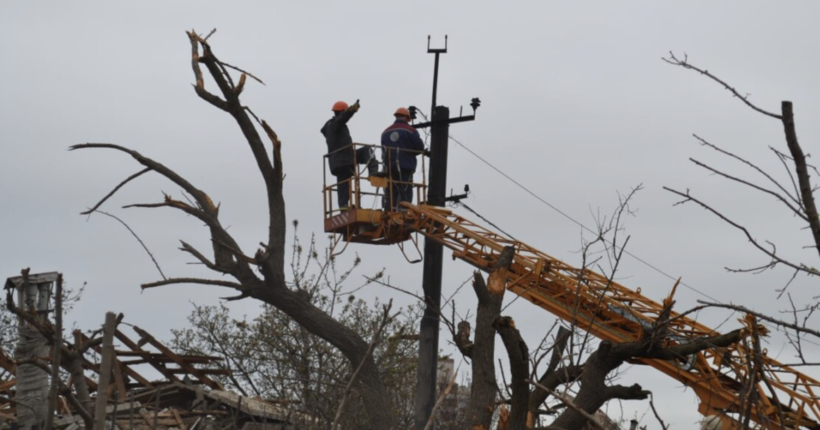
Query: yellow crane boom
[609,310]
[785,398]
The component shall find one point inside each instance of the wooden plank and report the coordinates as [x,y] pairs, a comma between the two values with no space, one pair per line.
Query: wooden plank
[122,408]
[7,363]
[205,371]
[7,385]
[182,425]
[142,353]
[91,366]
[105,370]
[118,379]
[144,414]
[163,359]
[154,363]
[176,358]
[127,341]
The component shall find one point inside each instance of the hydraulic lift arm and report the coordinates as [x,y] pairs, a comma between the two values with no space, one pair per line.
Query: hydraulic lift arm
[611,311]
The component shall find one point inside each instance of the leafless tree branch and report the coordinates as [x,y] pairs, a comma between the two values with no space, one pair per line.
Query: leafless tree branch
[128,179]
[570,404]
[685,64]
[688,197]
[170,281]
[796,211]
[133,233]
[375,341]
[704,142]
[764,317]
[431,421]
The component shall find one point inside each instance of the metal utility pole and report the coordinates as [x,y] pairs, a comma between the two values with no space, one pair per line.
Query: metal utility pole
[433,251]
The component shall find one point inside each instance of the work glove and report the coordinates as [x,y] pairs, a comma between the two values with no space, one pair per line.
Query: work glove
[356,106]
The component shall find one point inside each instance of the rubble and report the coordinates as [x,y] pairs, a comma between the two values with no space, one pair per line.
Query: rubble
[187,398]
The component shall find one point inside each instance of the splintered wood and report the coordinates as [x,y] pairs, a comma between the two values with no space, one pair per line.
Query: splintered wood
[185,398]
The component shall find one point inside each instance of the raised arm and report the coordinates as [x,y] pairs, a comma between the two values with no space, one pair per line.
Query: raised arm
[348,113]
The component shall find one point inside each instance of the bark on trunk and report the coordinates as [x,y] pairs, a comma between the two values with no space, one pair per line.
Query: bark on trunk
[519,356]
[800,167]
[273,289]
[484,386]
[75,369]
[375,397]
[553,376]
[593,392]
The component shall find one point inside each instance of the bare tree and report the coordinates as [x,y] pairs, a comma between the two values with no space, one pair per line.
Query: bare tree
[273,357]
[269,261]
[559,360]
[262,277]
[797,196]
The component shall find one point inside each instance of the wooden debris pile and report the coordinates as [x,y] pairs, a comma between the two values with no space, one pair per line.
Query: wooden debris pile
[185,398]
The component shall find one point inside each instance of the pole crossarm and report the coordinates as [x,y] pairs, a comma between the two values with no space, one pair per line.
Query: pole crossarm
[611,311]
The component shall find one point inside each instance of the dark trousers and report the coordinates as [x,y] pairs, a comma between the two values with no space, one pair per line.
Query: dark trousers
[343,174]
[401,188]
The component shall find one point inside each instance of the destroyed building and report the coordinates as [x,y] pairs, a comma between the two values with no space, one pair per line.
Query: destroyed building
[148,387]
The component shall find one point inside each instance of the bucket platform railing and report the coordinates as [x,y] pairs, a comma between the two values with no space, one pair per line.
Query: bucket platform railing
[373,193]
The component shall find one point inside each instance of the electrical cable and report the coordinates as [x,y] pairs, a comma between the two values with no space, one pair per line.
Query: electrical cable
[542,200]
[486,220]
[562,213]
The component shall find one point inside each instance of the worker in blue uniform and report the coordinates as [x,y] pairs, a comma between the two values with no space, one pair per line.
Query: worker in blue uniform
[402,144]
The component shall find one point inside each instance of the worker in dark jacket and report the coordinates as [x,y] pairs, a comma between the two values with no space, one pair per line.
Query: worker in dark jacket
[402,144]
[340,149]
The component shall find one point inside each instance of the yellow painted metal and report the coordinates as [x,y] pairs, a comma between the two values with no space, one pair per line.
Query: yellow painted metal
[613,312]
[609,310]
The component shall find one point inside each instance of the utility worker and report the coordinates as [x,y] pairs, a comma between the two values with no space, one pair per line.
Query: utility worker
[402,144]
[340,149]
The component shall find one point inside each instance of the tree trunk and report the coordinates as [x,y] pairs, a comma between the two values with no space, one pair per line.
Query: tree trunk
[75,369]
[519,356]
[374,394]
[593,392]
[484,386]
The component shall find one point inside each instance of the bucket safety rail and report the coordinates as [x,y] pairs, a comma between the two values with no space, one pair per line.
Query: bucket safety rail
[369,185]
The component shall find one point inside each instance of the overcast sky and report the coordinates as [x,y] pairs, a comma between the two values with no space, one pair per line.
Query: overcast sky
[577,106]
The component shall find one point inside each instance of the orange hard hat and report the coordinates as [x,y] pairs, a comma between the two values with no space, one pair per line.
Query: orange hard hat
[339,106]
[402,111]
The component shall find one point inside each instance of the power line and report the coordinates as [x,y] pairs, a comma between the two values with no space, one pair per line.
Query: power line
[539,198]
[542,200]
[486,220]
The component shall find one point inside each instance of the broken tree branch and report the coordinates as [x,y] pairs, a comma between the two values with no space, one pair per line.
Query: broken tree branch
[591,419]
[432,420]
[170,281]
[128,179]
[685,64]
[133,233]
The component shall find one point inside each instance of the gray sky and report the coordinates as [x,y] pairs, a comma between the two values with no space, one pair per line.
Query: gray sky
[577,106]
